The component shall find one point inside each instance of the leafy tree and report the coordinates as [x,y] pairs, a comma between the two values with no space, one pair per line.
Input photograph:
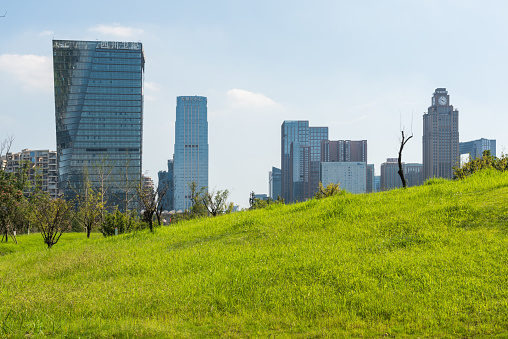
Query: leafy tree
[256,203]
[102,171]
[486,161]
[330,190]
[216,202]
[198,208]
[89,207]
[122,222]
[11,199]
[150,201]
[52,217]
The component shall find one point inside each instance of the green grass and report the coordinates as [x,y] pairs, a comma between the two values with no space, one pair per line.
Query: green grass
[429,261]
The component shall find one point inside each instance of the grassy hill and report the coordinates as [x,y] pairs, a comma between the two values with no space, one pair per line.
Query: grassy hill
[429,261]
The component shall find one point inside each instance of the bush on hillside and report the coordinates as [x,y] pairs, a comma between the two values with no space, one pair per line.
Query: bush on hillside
[328,191]
[123,222]
[475,165]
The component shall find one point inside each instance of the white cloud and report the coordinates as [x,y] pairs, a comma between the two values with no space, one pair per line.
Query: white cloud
[117,30]
[34,72]
[241,98]
[46,33]
[152,86]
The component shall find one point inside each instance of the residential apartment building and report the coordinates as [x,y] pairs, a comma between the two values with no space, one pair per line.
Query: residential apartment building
[41,167]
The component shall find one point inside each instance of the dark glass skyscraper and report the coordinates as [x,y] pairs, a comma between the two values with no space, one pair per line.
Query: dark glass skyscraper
[191,148]
[99,115]
[274,180]
[166,185]
[300,159]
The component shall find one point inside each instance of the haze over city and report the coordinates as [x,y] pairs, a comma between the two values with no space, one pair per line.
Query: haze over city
[365,70]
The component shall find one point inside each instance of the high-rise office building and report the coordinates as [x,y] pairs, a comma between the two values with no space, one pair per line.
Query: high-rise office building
[475,148]
[440,137]
[348,151]
[166,185]
[191,148]
[344,151]
[99,116]
[300,159]
[389,174]
[370,178]
[377,183]
[274,183]
[413,174]
[351,176]
[42,172]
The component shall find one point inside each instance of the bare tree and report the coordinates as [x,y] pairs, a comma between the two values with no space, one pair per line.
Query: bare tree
[401,171]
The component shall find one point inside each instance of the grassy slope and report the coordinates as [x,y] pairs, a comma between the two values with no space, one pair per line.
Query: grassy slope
[429,261]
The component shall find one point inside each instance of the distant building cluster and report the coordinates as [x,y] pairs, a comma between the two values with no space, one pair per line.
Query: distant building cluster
[98,92]
[344,162]
[41,167]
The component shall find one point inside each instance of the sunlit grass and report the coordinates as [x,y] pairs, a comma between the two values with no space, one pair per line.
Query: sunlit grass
[429,261]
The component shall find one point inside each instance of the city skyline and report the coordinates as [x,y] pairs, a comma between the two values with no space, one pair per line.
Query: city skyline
[364,70]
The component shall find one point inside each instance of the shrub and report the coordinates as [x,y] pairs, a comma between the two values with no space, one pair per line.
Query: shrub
[475,165]
[123,222]
[330,190]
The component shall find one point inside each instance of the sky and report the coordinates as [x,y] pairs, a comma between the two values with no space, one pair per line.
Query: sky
[366,69]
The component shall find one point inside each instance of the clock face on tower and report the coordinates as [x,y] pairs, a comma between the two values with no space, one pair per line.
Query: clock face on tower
[442,100]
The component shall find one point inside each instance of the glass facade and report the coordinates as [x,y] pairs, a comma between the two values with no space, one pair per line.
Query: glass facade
[99,116]
[300,159]
[191,148]
[475,148]
[166,183]
[274,180]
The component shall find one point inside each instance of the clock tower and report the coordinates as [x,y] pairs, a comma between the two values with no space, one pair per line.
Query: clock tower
[440,137]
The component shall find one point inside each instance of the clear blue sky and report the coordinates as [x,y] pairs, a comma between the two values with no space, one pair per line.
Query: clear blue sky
[359,67]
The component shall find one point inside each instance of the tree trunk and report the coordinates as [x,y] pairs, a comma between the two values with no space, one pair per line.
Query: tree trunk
[401,175]
[88,229]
